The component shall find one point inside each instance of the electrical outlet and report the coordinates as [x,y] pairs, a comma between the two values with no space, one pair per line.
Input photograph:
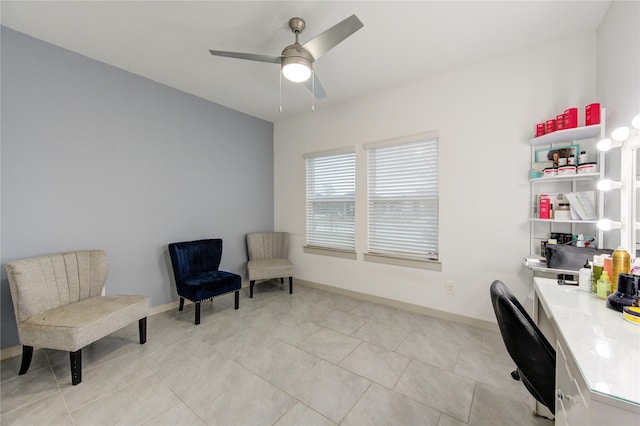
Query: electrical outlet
[450,287]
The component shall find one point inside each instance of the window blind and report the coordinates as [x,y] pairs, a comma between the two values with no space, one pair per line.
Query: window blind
[403,199]
[330,200]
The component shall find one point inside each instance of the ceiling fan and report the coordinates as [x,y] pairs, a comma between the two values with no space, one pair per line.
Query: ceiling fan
[296,60]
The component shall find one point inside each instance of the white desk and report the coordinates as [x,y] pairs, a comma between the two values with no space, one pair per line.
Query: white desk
[597,356]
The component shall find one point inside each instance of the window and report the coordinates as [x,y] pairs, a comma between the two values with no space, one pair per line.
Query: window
[331,186]
[403,198]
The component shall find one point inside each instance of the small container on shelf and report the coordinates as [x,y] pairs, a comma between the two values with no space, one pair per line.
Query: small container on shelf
[566,170]
[545,208]
[562,212]
[550,126]
[534,174]
[592,114]
[583,157]
[587,168]
[570,118]
[550,172]
[560,121]
[540,129]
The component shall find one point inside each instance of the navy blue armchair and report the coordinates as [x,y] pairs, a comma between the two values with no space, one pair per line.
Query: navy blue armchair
[195,267]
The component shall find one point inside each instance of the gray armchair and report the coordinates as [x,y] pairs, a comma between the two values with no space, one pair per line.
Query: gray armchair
[58,305]
[268,252]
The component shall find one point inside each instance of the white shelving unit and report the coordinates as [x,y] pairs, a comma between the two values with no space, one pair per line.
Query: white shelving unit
[586,137]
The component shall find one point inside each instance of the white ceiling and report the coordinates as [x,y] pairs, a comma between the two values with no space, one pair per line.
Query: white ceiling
[168,41]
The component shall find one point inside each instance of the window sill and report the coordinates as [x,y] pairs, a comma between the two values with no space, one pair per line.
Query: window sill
[432,265]
[323,251]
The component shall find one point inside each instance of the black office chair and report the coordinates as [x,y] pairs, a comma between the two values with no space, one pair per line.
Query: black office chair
[535,358]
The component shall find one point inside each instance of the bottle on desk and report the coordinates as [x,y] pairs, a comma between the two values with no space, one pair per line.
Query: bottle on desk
[620,264]
[598,264]
[604,286]
[584,277]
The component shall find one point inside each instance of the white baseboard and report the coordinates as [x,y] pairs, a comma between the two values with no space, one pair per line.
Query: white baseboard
[461,319]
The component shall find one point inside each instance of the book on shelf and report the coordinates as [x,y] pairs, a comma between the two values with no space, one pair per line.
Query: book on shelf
[582,205]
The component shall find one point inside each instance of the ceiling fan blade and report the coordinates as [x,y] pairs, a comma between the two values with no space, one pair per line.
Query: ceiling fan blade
[248,56]
[327,40]
[316,88]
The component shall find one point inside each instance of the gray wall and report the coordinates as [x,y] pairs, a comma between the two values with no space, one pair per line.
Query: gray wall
[96,157]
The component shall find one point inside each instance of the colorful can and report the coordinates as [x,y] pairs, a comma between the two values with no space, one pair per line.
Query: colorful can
[571,118]
[549,172]
[592,114]
[540,127]
[550,126]
[560,122]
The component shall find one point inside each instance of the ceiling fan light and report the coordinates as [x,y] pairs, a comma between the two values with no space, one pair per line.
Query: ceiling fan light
[296,72]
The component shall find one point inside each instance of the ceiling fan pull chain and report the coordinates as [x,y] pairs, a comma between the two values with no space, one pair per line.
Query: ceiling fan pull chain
[313,91]
[280,91]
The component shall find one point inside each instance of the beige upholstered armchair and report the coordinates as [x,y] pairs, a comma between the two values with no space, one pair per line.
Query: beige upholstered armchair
[268,252]
[58,305]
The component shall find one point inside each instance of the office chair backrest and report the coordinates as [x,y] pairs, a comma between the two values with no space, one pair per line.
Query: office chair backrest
[527,346]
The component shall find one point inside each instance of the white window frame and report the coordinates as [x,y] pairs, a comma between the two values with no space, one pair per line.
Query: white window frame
[386,242]
[340,243]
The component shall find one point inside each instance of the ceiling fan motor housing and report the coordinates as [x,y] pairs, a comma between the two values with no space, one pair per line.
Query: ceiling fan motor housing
[296,53]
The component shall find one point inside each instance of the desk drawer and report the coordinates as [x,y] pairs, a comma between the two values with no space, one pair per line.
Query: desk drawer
[571,406]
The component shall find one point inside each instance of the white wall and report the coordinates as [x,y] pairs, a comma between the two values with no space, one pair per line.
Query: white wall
[485,115]
[619,87]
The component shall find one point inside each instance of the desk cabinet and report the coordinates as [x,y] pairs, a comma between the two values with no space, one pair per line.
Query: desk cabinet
[591,389]
[572,407]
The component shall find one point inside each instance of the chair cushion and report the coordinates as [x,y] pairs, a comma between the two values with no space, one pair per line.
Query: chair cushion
[74,326]
[208,284]
[264,269]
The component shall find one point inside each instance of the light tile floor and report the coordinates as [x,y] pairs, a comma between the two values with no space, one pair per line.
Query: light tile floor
[310,358]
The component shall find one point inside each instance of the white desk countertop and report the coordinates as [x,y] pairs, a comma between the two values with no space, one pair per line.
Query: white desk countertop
[605,346]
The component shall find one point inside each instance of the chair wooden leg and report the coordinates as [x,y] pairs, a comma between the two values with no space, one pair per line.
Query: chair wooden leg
[181,307]
[290,285]
[237,296]
[197,313]
[75,359]
[251,284]
[27,354]
[142,329]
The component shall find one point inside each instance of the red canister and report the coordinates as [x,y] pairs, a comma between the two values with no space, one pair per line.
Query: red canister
[592,114]
[550,126]
[571,118]
[559,121]
[540,129]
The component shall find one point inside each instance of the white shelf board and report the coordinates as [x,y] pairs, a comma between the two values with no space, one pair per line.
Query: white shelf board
[535,219]
[567,135]
[581,176]
[552,270]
